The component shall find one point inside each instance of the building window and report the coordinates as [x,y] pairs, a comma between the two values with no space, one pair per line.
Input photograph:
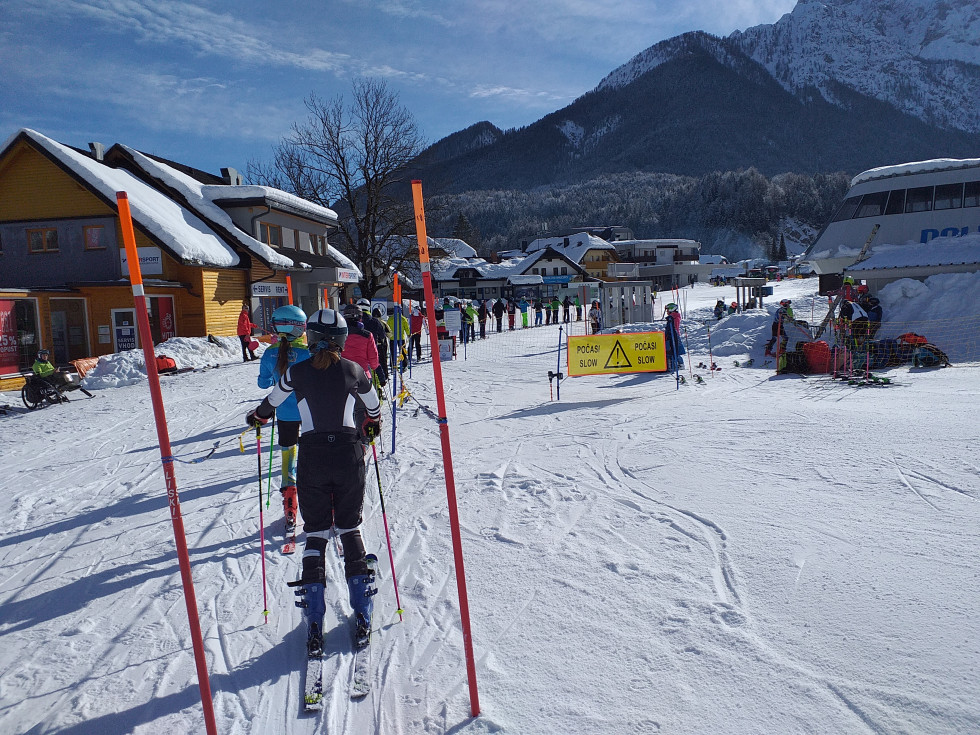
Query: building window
[971,194]
[554,271]
[270,234]
[949,196]
[564,271]
[295,239]
[872,205]
[896,202]
[318,244]
[43,241]
[94,236]
[919,200]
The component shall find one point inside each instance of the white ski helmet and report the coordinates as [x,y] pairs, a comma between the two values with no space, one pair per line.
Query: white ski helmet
[364,305]
[326,329]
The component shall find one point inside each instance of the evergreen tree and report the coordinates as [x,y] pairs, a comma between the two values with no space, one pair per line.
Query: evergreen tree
[782,248]
[466,232]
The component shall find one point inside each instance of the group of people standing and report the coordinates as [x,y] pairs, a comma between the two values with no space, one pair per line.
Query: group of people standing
[546,311]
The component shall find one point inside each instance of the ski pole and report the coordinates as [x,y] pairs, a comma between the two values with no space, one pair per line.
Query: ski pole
[711,359]
[690,362]
[558,369]
[258,450]
[272,444]
[384,516]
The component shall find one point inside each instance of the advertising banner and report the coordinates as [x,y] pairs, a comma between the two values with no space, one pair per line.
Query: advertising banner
[597,354]
[9,352]
[168,324]
[151,261]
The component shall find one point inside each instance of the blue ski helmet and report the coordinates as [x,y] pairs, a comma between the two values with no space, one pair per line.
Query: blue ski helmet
[289,321]
[325,330]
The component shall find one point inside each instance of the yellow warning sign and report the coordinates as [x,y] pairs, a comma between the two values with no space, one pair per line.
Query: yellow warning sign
[595,354]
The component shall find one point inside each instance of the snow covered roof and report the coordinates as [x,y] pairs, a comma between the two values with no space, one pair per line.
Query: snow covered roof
[578,245]
[963,250]
[518,280]
[181,231]
[225,192]
[193,191]
[916,167]
[545,253]
[454,246]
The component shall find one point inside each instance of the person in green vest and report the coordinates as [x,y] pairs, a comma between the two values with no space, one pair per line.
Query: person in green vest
[43,368]
[398,340]
[469,322]
[555,306]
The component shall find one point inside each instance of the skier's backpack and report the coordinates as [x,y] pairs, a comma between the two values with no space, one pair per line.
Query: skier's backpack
[817,357]
[928,355]
[166,364]
[911,338]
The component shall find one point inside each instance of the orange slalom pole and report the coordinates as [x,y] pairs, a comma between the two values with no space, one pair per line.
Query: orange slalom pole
[447,456]
[166,456]
[289,288]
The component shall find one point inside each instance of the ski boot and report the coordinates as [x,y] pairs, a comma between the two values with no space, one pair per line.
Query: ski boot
[311,601]
[289,507]
[362,592]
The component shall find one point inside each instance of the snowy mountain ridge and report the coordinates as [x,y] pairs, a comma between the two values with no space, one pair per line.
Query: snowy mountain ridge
[920,56]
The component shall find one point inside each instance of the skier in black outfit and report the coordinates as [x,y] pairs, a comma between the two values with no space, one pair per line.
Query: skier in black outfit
[498,313]
[330,473]
[376,327]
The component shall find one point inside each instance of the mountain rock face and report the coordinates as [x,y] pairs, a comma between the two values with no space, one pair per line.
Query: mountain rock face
[838,85]
[920,56]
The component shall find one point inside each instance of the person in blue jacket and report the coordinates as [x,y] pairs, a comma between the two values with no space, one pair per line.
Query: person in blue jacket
[289,323]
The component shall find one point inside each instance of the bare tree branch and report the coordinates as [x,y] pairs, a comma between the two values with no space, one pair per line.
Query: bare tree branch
[350,157]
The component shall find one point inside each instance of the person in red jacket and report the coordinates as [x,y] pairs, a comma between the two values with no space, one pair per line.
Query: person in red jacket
[363,350]
[415,327]
[245,327]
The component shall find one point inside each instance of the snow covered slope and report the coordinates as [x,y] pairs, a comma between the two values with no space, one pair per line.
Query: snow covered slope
[756,554]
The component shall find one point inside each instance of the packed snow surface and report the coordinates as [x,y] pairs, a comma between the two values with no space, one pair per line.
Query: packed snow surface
[755,554]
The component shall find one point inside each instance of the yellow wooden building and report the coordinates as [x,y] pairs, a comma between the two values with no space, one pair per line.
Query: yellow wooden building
[63,276]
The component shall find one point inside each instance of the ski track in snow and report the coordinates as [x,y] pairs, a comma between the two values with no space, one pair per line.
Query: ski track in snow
[641,557]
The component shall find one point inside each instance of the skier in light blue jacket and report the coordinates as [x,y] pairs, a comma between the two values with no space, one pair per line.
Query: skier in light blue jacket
[289,323]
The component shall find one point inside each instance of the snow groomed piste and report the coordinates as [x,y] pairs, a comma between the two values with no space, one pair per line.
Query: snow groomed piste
[783,550]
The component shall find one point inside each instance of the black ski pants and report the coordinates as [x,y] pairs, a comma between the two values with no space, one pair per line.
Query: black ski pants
[330,477]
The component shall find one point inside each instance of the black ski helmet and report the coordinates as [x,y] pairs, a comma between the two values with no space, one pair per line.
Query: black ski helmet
[352,313]
[326,329]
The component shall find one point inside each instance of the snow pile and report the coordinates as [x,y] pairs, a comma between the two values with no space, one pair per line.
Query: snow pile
[945,308]
[939,251]
[128,367]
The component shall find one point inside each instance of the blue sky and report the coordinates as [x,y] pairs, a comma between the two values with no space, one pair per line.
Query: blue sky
[215,83]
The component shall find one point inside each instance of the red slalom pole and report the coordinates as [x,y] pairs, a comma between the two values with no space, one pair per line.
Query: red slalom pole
[384,515]
[258,452]
[447,455]
[166,456]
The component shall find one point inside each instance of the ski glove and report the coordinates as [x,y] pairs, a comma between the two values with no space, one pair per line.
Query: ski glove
[254,420]
[371,428]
